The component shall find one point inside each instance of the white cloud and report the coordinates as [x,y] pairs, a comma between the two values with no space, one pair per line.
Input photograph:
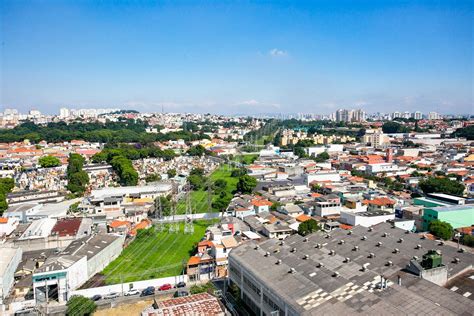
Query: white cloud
[250,102]
[277,52]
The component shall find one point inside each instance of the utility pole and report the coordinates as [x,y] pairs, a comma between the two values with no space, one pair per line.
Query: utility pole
[188,219]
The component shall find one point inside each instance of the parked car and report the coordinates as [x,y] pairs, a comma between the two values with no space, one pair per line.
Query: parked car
[181,284]
[180,293]
[165,287]
[111,295]
[132,292]
[148,291]
[96,297]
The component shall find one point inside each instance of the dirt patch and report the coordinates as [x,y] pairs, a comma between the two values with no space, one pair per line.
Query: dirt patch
[125,309]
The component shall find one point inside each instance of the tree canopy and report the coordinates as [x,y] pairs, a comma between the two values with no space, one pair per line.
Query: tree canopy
[49,161]
[6,186]
[77,178]
[467,132]
[308,227]
[441,229]
[393,127]
[246,184]
[441,185]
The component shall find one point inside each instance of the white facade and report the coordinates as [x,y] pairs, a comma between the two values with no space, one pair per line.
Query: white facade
[365,219]
[9,259]
[320,176]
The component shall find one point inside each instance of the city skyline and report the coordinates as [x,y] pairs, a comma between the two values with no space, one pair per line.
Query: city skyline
[238,58]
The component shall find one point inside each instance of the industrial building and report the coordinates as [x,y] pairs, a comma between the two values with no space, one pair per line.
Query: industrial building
[72,267]
[377,270]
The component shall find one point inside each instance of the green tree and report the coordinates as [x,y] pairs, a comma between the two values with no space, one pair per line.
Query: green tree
[468,240]
[77,178]
[197,150]
[166,205]
[322,157]
[393,127]
[308,227]
[246,184]
[238,172]
[220,185]
[197,182]
[441,229]
[441,185]
[49,161]
[79,305]
[171,173]
[153,177]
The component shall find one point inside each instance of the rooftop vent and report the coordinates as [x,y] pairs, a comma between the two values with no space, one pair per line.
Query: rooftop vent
[418,247]
[389,263]
[267,254]
[370,229]
[306,257]
[318,246]
[341,241]
[364,238]
[282,242]
[385,235]
[456,260]
[355,248]
[320,265]
[371,255]
[379,244]
[423,237]
[335,274]
[407,232]
[349,232]
[400,240]
[461,250]
[365,266]
[332,252]
[441,243]
[278,261]
[256,247]
[328,236]
[293,249]
[276,250]
[347,260]
[306,239]
[396,250]
[292,270]
[415,258]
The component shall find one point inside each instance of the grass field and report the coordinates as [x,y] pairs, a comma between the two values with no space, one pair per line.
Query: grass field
[246,159]
[199,198]
[155,254]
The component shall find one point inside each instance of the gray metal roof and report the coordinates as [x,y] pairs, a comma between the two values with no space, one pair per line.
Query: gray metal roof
[315,289]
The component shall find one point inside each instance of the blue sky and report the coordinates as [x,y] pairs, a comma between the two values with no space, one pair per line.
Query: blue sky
[238,57]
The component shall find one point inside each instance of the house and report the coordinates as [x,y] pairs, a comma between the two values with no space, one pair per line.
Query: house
[278,230]
[120,227]
[380,204]
[327,205]
[292,210]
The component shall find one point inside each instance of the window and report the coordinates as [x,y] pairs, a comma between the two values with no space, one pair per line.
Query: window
[252,286]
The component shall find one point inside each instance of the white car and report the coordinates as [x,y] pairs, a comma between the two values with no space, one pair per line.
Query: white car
[111,295]
[132,292]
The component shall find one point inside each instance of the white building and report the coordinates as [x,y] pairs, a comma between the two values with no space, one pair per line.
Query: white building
[9,259]
[376,138]
[322,175]
[365,219]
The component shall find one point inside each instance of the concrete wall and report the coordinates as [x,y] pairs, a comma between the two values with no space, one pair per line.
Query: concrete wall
[106,256]
[140,285]
[9,272]
[43,243]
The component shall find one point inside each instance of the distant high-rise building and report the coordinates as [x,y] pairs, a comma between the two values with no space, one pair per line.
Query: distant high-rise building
[343,115]
[417,115]
[434,116]
[64,113]
[406,115]
[396,115]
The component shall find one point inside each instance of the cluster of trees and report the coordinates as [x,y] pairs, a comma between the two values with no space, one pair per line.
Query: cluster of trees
[132,152]
[197,150]
[49,161]
[123,166]
[394,127]
[441,185]
[308,227]
[77,178]
[467,132]
[246,184]
[165,203]
[197,179]
[6,186]
[125,131]
[224,197]
[152,177]
[441,229]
